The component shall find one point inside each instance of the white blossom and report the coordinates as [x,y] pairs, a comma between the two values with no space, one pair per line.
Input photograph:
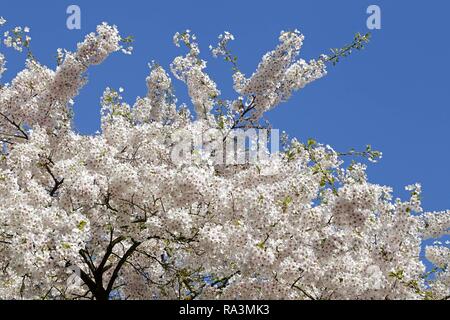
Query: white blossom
[298,225]
[2,64]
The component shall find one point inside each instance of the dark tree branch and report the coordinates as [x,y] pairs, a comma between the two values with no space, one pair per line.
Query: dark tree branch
[57,183]
[122,261]
[17,126]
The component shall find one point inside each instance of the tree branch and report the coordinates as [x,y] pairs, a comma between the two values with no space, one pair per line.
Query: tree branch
[122,261]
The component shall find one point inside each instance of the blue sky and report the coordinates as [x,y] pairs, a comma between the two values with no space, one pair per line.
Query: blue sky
[394,95]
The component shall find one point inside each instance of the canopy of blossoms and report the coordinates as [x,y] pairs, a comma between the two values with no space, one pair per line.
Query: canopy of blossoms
[117,215]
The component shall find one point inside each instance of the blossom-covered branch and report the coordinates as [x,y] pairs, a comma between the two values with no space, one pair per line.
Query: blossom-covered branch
[119,215]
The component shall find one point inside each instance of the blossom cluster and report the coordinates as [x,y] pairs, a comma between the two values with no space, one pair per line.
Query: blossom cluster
[279,74]
[221,49]
[160,103]
[2,64]
[17,38]
[189,69]
[134,224]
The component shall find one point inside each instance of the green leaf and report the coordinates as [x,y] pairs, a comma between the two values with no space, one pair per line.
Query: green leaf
[261,245]
[397,275]
[66,245]
[81,225]
[311,142]
[128,39]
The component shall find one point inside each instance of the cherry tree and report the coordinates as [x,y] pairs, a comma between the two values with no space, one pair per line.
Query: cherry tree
[120,214]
